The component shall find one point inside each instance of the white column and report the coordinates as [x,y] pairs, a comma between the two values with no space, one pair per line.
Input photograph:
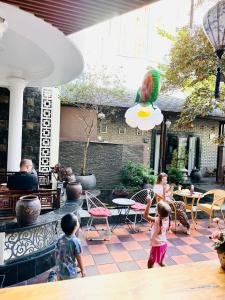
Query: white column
[55,132]
[16,87]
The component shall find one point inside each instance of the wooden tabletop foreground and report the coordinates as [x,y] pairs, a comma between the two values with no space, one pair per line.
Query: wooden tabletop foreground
[202,280]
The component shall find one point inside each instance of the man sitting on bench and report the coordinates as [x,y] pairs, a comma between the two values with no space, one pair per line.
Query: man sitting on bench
[24,180]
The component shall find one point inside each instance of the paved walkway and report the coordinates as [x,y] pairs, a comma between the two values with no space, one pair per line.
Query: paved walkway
[129,251]
[208,183]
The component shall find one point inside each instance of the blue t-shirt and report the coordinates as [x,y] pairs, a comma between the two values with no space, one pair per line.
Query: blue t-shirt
[68,248]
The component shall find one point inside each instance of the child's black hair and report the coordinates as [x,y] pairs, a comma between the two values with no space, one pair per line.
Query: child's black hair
[164,211]
[69,223]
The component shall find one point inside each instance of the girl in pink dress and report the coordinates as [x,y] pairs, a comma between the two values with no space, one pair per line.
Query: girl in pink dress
[160,226]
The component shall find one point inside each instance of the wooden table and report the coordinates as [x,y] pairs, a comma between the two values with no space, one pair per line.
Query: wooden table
[190,205]
[195,281]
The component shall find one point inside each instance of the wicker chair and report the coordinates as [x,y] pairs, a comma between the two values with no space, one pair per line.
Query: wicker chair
[215,205]
[172,206]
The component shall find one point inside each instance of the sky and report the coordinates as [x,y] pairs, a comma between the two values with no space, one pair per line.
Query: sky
[132,41]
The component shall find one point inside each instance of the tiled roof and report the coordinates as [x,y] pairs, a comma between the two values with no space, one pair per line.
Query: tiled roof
[166,103]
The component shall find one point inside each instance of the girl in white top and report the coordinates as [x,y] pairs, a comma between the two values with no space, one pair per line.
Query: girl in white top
[163,189]
[158,232]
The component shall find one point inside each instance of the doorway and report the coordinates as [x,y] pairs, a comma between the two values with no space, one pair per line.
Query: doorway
[182,151]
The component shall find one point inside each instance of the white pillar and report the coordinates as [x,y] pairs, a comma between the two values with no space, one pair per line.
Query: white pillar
[55,132]
[16,87]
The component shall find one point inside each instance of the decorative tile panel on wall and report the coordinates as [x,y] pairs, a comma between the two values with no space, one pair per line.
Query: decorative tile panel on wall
[46,130]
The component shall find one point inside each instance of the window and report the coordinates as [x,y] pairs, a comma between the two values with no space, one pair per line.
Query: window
[139,132]
[103,128]
[122,130]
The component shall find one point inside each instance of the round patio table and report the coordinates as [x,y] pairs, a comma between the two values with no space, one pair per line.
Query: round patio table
[123,205]
[195,196]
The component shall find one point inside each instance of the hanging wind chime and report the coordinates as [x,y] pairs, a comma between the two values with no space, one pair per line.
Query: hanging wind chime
[144,114]
[214,27]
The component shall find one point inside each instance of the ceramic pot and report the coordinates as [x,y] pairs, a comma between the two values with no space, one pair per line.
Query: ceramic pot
[196,175]
[88,182]
[73,190]
[28,209]
[221,256]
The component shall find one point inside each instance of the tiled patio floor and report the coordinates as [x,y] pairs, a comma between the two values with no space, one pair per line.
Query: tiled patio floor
[129,251]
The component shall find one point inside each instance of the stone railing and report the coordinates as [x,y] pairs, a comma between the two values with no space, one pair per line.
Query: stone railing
[28,251]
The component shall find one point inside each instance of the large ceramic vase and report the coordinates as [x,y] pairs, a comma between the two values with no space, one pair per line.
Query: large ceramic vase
[221,256]
[73,190]
[196,175]
[28,209]
[88,182]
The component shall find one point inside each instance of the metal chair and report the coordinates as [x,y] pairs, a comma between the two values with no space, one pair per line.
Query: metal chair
[172,206]
[97,210]
[140,205]
[215,205]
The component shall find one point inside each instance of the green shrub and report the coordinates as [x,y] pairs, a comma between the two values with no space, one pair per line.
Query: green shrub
[136,175]
[151,179]
[120,187]
[175,176]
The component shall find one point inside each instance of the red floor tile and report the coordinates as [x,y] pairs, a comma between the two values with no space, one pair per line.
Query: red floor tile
[120,256]
[211,255]
[190,240]
[186,249]
[140,236]
[132,245]
[120,231]
[181,259]
[88,260]
[113,239]
[107,268]
[97,249]
[142,263]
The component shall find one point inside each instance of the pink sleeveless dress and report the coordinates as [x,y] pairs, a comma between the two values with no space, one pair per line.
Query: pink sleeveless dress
[158,241]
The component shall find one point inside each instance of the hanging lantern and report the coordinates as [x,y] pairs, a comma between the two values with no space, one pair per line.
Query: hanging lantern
[145,115]
[214,27]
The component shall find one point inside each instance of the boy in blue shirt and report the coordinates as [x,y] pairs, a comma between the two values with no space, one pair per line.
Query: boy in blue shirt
[69,250]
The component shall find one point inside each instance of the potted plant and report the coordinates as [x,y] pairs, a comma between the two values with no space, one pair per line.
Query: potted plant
[120,191]
[86,94]
[218,238]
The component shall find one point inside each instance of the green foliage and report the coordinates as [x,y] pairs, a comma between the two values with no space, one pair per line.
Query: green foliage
[174,159]
[192,69]
[92,87]
[175,176]
[166,34]
[150,179]
[136,175]
[120,187]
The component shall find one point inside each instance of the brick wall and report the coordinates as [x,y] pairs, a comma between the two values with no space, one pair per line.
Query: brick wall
[104,159]
[114,130]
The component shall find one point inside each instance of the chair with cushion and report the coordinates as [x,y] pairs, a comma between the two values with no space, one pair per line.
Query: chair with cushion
[97,211]
[212,207]
[140,204]
[172,206]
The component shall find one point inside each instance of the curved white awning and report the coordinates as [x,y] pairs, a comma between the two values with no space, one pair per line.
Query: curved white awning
[35,51]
